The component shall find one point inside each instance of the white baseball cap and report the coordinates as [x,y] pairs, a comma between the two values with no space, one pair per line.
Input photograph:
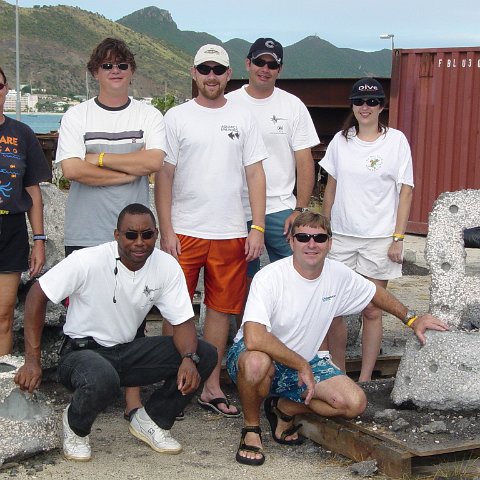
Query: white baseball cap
[211,53]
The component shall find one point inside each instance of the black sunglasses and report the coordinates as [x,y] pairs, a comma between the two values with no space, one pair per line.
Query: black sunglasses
[317,237]
[260,62]
[206,69]
[133,234]
[2,85]
[371,102]
[120,66]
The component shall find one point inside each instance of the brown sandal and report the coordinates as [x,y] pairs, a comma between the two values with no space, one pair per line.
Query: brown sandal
[250,448]
[273,413]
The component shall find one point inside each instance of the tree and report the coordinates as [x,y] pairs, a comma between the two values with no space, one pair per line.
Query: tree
[164,103]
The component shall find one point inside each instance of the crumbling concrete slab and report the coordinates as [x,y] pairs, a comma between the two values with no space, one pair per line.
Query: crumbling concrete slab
[444,374]
[28,424]
[453,294]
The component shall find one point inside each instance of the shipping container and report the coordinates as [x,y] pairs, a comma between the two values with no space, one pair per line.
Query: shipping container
[435,101]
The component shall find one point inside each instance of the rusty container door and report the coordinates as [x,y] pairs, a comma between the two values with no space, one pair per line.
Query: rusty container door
[435,101]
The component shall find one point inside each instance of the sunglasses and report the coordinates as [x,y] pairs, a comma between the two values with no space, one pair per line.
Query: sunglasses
[260,62]
[133,234]
[371,102]
[317,237]
[206,69]
[120,66]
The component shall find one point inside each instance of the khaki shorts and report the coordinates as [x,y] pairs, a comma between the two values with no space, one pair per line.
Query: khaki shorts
[225,271]
[367,256]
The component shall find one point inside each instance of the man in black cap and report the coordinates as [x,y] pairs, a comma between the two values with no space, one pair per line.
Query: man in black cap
[289,134]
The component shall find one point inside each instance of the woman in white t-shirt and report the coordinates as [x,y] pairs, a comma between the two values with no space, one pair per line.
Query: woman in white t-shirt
[367,197]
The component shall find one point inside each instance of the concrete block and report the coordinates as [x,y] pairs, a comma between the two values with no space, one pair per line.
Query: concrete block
[27,422]
[444,374]
[453,293]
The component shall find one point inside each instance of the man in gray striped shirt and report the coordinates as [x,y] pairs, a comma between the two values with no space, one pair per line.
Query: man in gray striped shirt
[107,147]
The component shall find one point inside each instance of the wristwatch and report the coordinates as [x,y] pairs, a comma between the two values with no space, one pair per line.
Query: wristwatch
[301,209]
[40,237]
[408,316]
[192,356]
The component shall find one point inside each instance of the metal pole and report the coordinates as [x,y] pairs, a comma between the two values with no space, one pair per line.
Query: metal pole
[17,58]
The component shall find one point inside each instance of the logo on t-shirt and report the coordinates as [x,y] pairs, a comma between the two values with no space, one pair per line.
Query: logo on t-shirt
[232,131]
[374,162]
[279,127]
[326,299]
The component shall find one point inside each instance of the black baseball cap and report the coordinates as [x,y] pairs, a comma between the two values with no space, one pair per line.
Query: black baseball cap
[266,46]
[367,88]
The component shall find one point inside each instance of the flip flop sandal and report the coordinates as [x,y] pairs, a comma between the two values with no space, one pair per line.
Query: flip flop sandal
[273,414]
[180,416]
[212,406]
[250,448]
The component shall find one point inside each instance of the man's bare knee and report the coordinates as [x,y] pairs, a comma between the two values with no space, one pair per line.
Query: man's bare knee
[255,366]
[354,404]
[371,312]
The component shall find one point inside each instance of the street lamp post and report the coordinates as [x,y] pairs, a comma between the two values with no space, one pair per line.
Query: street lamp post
[17,59]
[387,36]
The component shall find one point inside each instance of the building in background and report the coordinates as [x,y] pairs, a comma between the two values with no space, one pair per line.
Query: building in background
[28,102]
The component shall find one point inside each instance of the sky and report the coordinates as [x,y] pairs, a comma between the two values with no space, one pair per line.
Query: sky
[345,23]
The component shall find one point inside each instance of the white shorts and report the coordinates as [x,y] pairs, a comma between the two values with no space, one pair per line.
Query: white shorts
[367,256]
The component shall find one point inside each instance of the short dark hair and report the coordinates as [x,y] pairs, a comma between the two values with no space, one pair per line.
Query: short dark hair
[111,49]
[3,75]
[135,209]
[313,220]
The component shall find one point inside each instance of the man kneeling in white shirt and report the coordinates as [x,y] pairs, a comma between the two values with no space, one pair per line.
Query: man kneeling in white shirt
[111,288]
[280,353]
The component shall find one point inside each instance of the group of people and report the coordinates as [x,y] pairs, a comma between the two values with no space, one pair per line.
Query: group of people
[225,170]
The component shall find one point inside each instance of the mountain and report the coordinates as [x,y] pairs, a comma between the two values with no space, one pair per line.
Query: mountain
[312,57]
[158,23]
[56,43]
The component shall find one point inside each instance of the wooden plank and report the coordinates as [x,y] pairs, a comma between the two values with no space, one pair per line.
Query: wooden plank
[393,458]
[419,451]
[385,366]
[356,445]
[444,467]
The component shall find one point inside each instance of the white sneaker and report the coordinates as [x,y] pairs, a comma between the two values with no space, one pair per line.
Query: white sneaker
[145,429]
[74,447]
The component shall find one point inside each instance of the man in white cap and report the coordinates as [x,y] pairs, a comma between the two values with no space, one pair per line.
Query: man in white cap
[212,145]
[289,134]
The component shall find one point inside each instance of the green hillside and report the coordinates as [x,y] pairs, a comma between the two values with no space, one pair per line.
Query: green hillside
[312,57]
[56,42]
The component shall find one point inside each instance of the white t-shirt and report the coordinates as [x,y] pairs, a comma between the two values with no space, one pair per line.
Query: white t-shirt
[88,278]
[299,311]
[210,148]
[369,177]
[286,127]
[91,212]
